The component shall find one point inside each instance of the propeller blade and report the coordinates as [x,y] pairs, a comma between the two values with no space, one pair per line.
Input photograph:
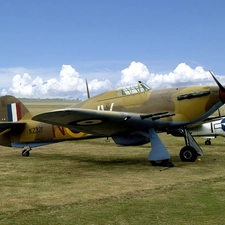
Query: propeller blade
[88,93]
[222,89]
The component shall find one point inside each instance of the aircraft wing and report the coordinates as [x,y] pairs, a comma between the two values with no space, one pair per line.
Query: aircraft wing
[100,122]
[9,125]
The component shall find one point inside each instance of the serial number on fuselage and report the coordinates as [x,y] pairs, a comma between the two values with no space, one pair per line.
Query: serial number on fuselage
[36,130]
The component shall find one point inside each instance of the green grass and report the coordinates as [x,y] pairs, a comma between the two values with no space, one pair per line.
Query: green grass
[94,182]
[97,182]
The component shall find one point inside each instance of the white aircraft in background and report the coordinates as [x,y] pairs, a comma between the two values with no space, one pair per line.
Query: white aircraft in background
[210,130]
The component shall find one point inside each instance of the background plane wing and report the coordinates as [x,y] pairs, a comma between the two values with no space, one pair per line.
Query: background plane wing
[99,122]
[210,119]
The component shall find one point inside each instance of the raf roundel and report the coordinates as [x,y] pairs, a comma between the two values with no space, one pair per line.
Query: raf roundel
[88,122]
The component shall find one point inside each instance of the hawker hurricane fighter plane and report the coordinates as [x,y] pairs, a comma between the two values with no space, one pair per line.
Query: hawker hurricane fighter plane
[19,131]
[134,116]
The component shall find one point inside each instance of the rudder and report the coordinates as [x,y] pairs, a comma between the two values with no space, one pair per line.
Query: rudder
[12,109]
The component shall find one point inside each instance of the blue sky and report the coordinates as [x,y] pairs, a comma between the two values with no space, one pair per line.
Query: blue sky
[48,48]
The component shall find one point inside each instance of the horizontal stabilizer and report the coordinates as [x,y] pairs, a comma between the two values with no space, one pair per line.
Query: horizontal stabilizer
[8,125]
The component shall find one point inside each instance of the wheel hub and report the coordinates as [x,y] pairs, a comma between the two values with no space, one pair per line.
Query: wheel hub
[187,155]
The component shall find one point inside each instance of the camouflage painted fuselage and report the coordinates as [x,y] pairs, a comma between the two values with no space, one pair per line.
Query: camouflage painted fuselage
[18,130]
[188,104]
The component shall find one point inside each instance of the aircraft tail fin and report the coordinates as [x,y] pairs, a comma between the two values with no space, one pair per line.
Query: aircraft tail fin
[12,109]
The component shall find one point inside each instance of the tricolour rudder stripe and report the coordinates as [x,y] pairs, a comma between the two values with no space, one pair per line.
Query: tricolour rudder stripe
[9,110]
[14,112]
[18,110]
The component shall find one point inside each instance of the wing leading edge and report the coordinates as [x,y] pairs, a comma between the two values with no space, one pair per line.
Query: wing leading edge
[99,122]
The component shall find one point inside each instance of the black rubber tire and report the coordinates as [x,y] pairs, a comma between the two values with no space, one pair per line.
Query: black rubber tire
[207,142]
[188,154]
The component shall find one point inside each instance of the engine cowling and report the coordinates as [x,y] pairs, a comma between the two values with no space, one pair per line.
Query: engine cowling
[130,140]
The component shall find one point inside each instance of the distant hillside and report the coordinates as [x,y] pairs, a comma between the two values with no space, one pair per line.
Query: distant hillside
[38,105]
[48,100]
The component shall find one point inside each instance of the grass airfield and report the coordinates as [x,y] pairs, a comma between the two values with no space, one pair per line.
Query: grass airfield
[98,182]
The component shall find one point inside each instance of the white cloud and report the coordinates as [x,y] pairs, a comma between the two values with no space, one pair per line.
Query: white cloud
[4,92]
[183,75]
[96,85]
[70,84]
[21,85]
[135,72]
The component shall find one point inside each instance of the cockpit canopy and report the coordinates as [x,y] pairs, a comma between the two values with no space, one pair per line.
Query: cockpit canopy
[141,87]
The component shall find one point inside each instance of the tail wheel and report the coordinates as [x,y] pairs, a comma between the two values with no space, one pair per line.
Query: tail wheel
[25,153]
[188,154]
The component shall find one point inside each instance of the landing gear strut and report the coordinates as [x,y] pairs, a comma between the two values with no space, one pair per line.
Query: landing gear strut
[26,152]
[158,156]
[192,150]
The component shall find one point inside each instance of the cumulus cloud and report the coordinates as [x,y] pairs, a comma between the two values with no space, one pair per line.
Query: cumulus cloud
[135,72]
[21,85]
[70,84]
[183,75]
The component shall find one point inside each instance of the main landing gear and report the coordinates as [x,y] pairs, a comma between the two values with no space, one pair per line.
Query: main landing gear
[158,156]
[188,154]
[208,141]
[192,150]
[26,151]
